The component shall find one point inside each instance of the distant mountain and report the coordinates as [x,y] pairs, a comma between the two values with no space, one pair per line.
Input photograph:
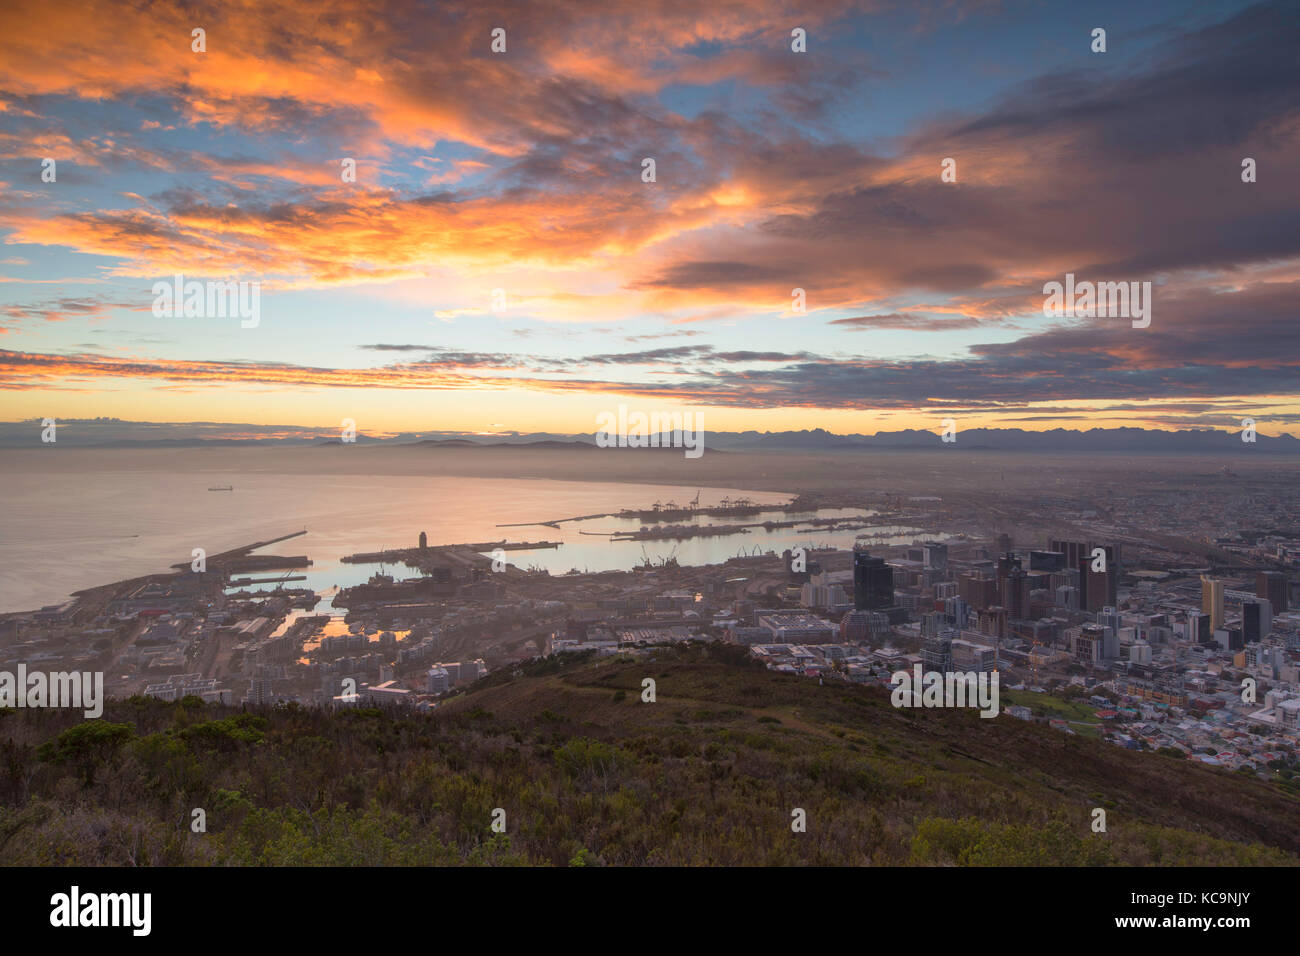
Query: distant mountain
[1132,440]
[120,434]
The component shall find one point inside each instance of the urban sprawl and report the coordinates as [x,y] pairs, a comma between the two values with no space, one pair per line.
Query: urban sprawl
[1172,639]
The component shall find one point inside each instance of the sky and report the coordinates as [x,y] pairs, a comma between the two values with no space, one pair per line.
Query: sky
[500,263]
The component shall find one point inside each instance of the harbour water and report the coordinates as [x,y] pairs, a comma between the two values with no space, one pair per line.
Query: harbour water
[63,531]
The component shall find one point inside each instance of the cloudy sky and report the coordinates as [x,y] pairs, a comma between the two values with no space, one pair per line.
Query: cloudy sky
[775,170]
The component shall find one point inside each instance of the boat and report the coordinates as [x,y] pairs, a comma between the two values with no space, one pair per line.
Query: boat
[226,488]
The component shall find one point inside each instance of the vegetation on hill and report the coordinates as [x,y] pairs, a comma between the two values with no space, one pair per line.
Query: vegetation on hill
[589,774]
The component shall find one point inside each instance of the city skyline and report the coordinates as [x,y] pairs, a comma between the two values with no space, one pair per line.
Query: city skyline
[521,172]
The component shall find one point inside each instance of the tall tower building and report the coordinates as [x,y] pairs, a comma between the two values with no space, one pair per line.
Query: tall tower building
[1097,589]
[936,556]
[1256,620]
[1212,601]
[873,582]
[1273,586]
[1015,594]
[977,591]
[1007,561]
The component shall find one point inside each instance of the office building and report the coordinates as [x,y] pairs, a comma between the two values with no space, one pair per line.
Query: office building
[1087,643]
[936,652]
[1097,589]
[873,582]
[978,591]
[1212,601]
[936,556]
[970,656]
[1198,628]
[1046,561]
[1067,597]
[1015,593]
[437,681]
[1256,620]
[864,627]
[1273,586]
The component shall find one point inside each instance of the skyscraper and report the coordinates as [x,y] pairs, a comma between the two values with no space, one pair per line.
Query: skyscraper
[1015,594]
[1256,620]
[873,582]
[1212,601]
[979,592]
[1046,561]
[1097,589]
[1006,561]
[1198,627]
[1273,586]
[936,556]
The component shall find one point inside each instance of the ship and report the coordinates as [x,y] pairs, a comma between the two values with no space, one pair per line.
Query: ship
[226,488]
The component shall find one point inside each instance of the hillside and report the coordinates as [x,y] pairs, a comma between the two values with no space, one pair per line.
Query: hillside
[588,774]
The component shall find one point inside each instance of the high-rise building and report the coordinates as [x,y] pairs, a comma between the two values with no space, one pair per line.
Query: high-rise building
[437,681]
[1256,620]
[1046,561]
[1273,586]
[1015,594]
[993,622]
[1073,551]
[1007,561]
[959,611]
[936,652]
[873,582]
[968,656]
[260,691]
[1097,589]
[977,591]
[864,627]
[1111,618]
[936,556]
[1230,638]
[1088,643]
[1198,628]
[424,541]
[1067,597]
[1212,601]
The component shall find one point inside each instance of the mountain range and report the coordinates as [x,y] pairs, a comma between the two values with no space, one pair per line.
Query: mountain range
[116,433]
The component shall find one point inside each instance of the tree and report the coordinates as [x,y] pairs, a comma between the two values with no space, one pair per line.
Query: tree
[87,745]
